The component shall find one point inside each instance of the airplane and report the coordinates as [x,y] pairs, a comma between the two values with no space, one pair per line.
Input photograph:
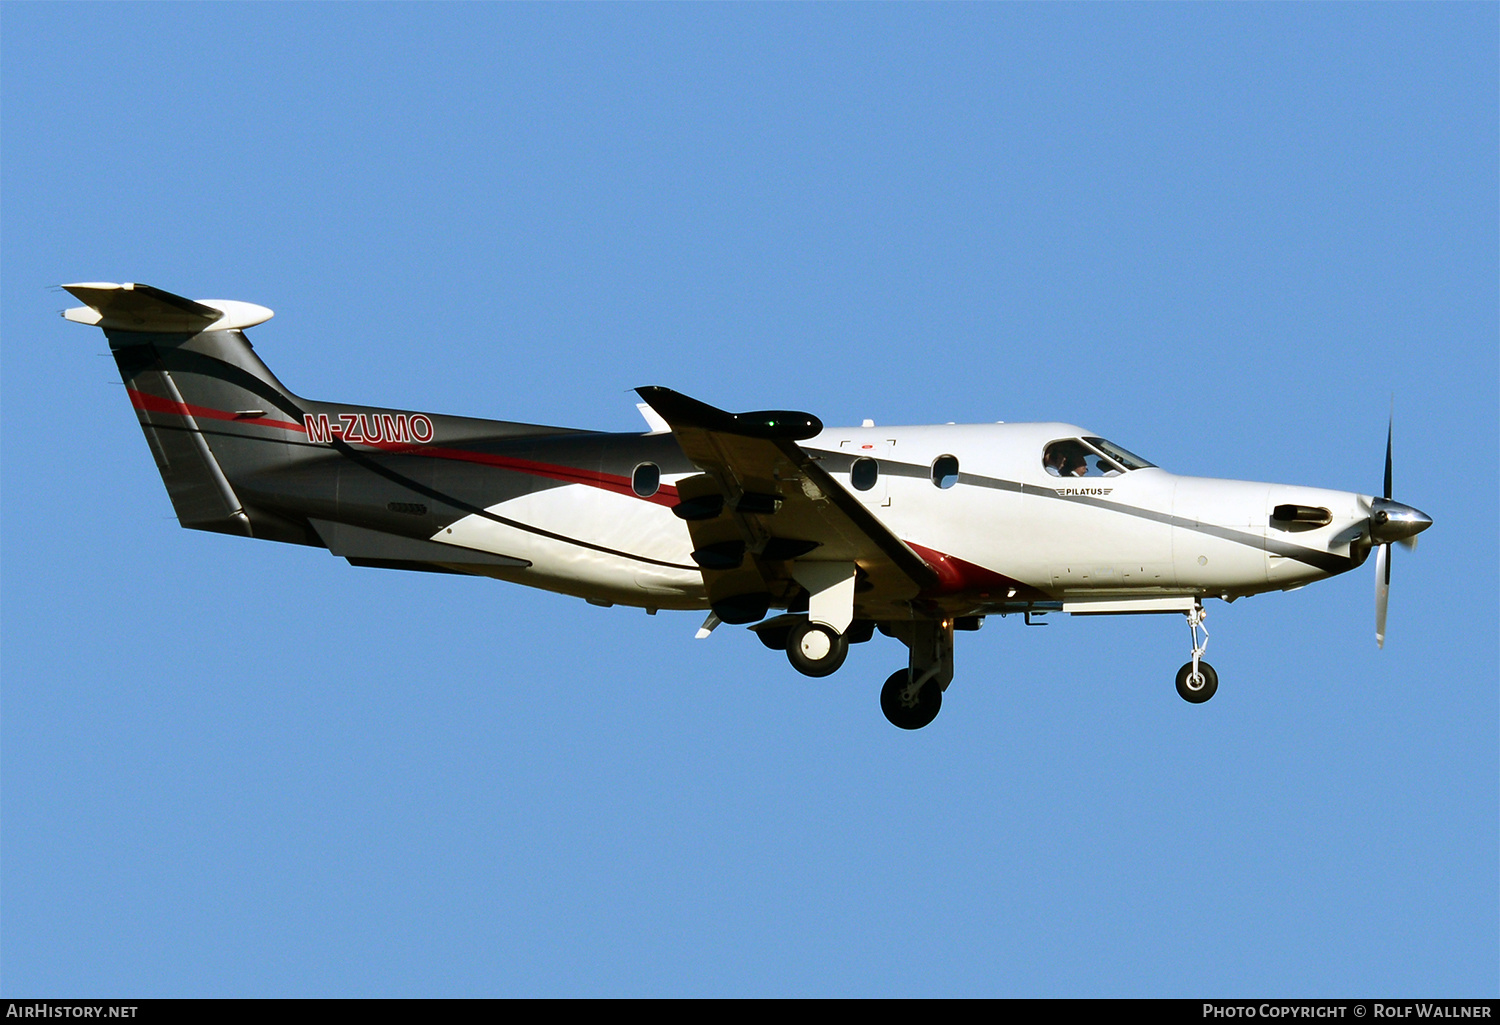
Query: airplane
[918,532]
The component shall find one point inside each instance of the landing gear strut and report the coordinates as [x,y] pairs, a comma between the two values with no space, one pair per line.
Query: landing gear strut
[912,697]
[1196,680]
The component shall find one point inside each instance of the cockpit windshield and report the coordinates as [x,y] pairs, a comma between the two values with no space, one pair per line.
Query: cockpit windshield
[1124,457]
[1089,457]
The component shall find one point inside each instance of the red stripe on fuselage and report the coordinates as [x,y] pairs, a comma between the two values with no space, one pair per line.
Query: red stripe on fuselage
[956,576]
[665,495]
[156,404]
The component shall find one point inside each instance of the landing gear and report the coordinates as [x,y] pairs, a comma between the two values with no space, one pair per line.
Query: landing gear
[1197,681]
[1197,685]
[912,697]
[908,709]
[815,650]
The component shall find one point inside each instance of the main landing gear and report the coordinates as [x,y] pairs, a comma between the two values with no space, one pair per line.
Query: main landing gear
[816,650]
[910,707]
[1196,680]
[911,697]
[813,649]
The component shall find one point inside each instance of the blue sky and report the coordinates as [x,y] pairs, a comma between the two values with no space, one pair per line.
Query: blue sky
[1225,236]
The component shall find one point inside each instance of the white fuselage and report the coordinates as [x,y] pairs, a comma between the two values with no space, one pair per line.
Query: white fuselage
[1141,533]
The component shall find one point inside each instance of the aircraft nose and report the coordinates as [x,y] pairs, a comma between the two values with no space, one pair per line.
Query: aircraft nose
[1392,521]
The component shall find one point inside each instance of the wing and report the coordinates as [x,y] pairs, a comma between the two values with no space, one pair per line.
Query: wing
[768,522]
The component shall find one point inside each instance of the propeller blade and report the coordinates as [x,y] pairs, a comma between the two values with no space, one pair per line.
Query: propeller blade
[1389,427]
[1409,543]
[1382,591]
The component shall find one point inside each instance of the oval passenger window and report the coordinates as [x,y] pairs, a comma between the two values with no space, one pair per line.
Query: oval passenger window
[864,473]
[945,471]
[646,480]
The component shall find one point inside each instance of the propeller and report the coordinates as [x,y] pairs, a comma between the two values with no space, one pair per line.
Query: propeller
[1390,522]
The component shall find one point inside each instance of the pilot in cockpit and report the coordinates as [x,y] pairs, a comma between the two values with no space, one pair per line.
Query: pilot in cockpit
[1089,457]
[1065,459]
[1053,460]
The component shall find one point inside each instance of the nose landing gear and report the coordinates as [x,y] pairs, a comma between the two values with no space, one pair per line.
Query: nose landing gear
[1196,680]
[1200,687]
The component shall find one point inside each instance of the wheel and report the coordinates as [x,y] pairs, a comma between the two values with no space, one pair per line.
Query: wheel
[910,717]
[815,650]
[1200,690]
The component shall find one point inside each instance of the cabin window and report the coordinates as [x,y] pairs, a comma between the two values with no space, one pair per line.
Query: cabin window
[646,480]
[864,473]
[945,471]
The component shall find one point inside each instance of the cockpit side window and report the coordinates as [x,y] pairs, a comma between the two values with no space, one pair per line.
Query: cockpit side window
[1071,457]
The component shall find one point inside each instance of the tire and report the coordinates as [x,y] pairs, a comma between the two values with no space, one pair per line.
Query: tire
[1207,689]
[815,650]
[929,702]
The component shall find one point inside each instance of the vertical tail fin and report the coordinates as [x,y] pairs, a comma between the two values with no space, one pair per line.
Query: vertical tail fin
[211,411]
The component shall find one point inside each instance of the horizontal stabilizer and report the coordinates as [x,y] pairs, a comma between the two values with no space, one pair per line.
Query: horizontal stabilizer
[132,307]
